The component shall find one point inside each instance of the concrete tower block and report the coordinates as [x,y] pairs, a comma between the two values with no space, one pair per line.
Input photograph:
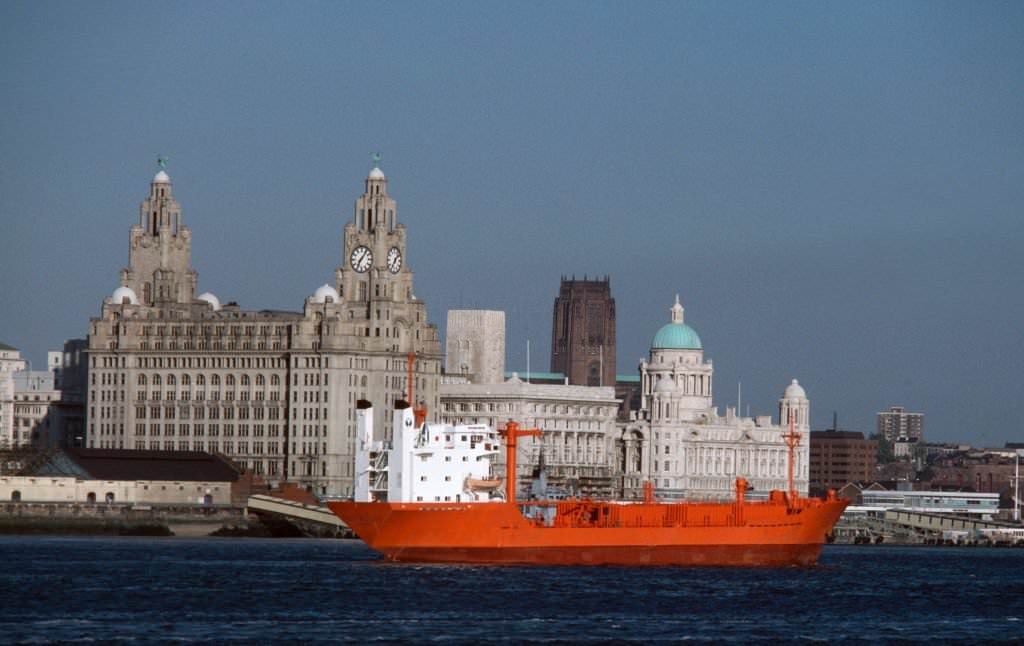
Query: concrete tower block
[475,345]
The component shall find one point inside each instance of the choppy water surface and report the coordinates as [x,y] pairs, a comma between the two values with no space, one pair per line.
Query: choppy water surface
[222,590]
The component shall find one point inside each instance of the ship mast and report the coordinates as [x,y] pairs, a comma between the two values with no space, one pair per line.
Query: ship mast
[512,432]
[419,412]
[792,439]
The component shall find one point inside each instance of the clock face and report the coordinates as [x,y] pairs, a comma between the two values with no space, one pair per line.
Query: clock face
[394,260]
[361,258]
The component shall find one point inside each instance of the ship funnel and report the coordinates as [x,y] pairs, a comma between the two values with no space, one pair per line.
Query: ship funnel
[403,438]
[401,404]
[364,441]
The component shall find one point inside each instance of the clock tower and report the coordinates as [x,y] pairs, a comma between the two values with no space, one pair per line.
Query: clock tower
[377,307]
[373,250]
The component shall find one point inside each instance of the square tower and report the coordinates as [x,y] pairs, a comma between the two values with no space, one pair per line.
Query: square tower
[475,345]
[583,332]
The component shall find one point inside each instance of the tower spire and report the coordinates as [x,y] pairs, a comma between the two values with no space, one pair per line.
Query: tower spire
[677,311]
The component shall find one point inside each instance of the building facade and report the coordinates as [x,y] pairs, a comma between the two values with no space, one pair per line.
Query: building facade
[577,424]
[475,345]
[681,443]
[10,364]
[42,408]
[37,410]
[840,457]
[583,332]
[897,424]
[275,391]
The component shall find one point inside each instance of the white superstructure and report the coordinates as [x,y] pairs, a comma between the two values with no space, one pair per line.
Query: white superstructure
[431,463]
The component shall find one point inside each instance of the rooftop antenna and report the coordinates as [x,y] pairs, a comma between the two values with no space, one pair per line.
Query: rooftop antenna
[527,361]
[739,398]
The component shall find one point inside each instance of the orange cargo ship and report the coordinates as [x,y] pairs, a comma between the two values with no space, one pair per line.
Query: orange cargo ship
[773,533]
[409,507]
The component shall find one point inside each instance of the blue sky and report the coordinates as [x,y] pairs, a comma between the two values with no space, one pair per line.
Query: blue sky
[833,189]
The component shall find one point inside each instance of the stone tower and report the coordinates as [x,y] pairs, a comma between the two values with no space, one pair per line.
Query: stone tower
[160,250]
[583,332]
[475,345]
[373,250]
[794,402]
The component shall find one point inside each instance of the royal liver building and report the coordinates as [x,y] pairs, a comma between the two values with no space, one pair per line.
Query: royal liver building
[274,391]
[681,443]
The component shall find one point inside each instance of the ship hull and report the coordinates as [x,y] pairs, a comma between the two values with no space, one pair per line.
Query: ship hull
[496,533]
[644,555]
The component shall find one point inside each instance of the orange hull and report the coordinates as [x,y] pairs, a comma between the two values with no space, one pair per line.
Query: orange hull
[587,533]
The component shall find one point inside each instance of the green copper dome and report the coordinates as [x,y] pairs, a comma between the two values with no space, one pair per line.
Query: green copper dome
[676,335]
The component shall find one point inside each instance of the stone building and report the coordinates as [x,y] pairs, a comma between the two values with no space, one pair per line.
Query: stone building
[275,391]
[36,410]
[45,406]
[70,376]
[475,345]
[578,424]
[583,332]
[897,424]
[105,476]
[10,363]
[681,443]
[577,421]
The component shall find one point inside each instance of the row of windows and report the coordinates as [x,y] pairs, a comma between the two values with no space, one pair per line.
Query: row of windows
[215,380]
[210,430]
[200,395]
[208,412]
[212,330]
[539,409]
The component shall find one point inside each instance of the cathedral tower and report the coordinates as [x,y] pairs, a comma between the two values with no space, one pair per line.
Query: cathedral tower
[160,250]
[583,332]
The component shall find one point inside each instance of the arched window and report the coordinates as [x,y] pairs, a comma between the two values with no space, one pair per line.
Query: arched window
[90,497]
[15,496]
[156,380]
[215,380]
[170,380]
[142,379]
[109,497]
[245,380]
[362,382]
[260,381]
[200,380]
[275,380]
[229,380]
[186,380]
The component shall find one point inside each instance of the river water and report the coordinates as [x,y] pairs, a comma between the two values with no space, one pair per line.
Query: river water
[146,590]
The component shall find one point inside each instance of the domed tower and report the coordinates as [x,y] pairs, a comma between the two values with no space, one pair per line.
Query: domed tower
[373,250]
[794,402]
[160,249]
[676,383]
